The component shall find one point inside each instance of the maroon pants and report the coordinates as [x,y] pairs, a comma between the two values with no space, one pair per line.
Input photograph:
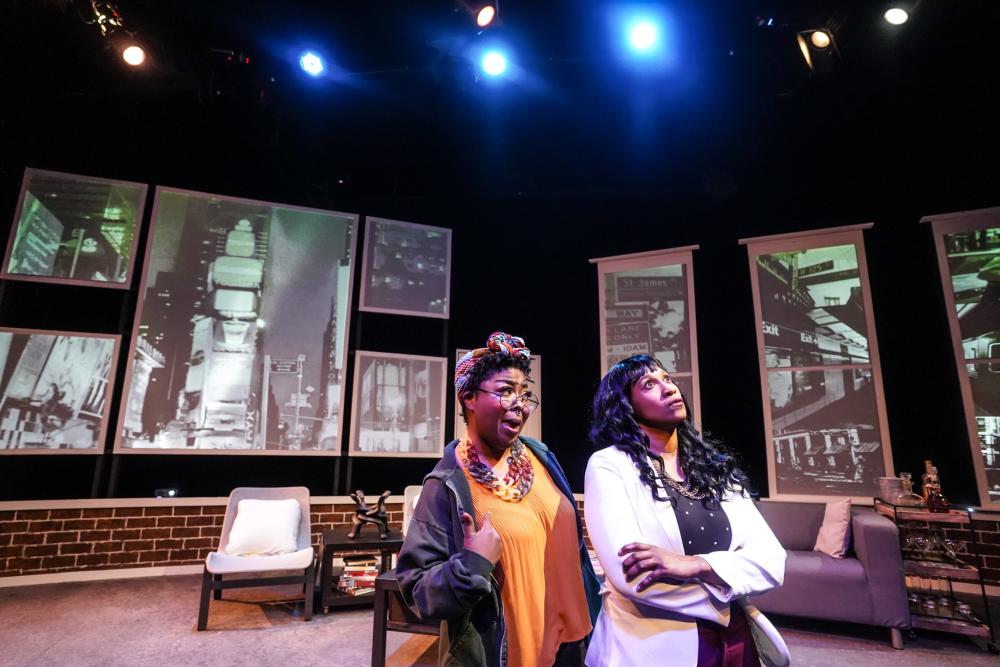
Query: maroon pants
[731,646]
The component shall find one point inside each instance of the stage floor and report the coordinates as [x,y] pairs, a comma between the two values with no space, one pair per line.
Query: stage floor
[151,623]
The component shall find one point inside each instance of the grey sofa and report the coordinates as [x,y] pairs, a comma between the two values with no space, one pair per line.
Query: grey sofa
[867,586]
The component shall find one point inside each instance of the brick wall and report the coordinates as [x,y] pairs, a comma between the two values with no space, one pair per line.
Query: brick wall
[68,539]
[988,534]
[46,541]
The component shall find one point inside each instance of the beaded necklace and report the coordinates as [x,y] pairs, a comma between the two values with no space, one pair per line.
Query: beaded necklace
[516,483]
[683,489]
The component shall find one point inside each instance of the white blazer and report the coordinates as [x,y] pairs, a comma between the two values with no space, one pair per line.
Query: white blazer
[657,626]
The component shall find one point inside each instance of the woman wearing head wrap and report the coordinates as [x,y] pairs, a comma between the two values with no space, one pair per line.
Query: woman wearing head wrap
[680,541]
[495,546]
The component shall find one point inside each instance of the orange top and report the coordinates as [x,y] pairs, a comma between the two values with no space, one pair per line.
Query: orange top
[544,603]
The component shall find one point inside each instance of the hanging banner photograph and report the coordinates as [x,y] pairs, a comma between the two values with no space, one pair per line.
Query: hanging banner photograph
[968,247]
[825,411]
[646,305]
[241,330]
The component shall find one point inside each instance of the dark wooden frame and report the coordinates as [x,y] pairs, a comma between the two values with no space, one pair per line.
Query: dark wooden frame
[391,613]
[215,584]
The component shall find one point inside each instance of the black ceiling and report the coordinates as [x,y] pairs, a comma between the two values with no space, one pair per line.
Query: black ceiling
[740,112]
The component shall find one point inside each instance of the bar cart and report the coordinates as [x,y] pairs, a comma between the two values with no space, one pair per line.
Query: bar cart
[939,549]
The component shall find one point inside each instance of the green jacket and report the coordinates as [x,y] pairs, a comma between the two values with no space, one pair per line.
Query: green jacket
[441,580]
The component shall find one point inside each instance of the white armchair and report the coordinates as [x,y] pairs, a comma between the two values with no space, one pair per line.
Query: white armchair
[286,547]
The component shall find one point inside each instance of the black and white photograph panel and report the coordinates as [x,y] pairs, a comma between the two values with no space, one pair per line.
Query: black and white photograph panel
[974,265]
[533,426]
[399,404]
[406,269]
[55,390]
[825,432]
[646,312]
[74,229]
[240,340]
[812,307]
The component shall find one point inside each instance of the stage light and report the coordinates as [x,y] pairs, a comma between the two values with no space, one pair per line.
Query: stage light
[896,16]
[311,63]
[485,16]
[133,55]
[643,35]
[118,38]
[818,50]
[494,63]
[106,17]
[820,39]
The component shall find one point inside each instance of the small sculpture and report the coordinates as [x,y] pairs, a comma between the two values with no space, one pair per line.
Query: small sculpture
[936,502]
[364,514]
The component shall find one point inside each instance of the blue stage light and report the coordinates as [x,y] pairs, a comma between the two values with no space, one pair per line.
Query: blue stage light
[494,63]
[312,63]
[643,35]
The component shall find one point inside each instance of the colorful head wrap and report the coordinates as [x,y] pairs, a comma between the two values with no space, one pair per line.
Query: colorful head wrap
[499,344]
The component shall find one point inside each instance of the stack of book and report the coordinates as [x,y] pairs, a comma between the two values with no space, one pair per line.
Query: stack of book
[358,576]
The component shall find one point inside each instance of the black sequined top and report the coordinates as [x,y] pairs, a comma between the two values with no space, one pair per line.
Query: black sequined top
[703,524]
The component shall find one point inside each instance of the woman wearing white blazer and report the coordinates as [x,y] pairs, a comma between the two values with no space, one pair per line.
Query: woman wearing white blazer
[680,542]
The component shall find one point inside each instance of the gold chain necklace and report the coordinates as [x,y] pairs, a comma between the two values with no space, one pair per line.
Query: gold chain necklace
[683,489]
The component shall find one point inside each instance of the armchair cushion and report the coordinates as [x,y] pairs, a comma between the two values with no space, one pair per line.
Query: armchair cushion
[265,528]
[220,563]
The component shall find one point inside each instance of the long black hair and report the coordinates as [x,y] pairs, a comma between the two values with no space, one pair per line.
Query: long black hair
[710,470]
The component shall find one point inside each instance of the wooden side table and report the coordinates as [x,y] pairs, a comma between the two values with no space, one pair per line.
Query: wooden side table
[933,608]
[336,542]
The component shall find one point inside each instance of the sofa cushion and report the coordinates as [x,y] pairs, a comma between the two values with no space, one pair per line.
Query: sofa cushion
[835,534]
[795,524]
[818,586]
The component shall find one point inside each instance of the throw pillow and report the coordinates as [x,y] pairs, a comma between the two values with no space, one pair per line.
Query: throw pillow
[265,528]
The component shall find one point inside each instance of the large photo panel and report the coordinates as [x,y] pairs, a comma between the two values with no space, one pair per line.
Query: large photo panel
[398,405]
[406,269]
[74,230]
[55,390]
[241,333]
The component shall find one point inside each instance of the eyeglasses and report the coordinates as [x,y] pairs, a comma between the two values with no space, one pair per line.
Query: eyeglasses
[507,397]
